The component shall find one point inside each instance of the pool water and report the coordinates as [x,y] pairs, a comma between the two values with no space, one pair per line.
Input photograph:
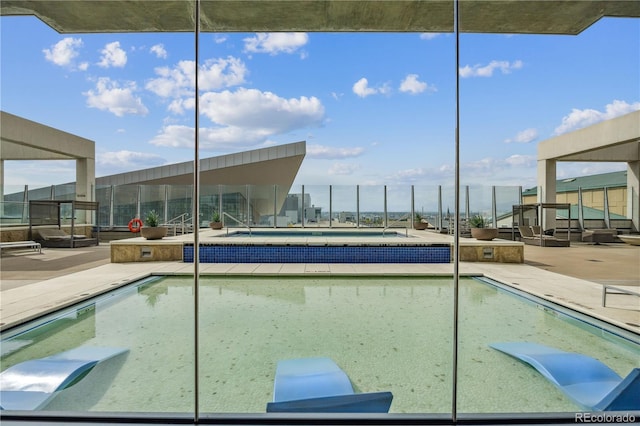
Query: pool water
[301,233]
[387,333]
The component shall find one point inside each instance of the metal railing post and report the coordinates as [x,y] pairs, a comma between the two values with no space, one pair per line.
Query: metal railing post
[330,206]
[357,206]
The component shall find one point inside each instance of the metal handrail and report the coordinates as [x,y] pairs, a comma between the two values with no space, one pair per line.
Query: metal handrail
[403,218]
[237,220]
[178,220]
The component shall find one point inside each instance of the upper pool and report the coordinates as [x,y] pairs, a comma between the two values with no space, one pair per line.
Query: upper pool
[387,333]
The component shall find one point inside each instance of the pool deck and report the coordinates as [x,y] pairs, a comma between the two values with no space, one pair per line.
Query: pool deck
[35,283]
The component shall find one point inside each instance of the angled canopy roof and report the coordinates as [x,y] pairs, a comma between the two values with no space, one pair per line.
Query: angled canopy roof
[479,16]
[276,165]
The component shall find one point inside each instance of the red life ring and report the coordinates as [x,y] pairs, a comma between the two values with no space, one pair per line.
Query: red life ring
[135,224]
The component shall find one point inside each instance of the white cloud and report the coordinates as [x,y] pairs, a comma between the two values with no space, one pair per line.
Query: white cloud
[244,118]
[275,43]
[411,84]
[253,109]
[408,176]
[175,136]
[125,160]
[173,82]
[343,169]
[109,96]
[579,118]
[487,70]
[180,80]
[113,56]
[219,39]
[331,153]
[524,136]
[219,73]
[159,51]
[63,52]
[178,106]
[362,89]
[518,160]
[229,138]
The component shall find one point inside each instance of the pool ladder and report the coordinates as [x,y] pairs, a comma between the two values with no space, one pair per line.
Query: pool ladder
[235,219]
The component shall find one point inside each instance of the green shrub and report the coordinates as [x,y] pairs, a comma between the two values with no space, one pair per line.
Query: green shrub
[152,219]
[477,221]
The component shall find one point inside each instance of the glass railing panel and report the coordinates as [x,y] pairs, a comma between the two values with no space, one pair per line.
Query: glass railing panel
[180,203]
[448,210]
[103,197]
[426,205]
[14,213]
[125,204]
[234,204]
[292,206]
[209,204]
[65,191]
[152,199]
[372,211]
[506,198]
[399,206]
[480,202]
[345,206]
[316,214]
[262,205]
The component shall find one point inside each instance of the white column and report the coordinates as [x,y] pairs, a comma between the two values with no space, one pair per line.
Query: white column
[2,187]
[547,191]
[85,184]
[633,192]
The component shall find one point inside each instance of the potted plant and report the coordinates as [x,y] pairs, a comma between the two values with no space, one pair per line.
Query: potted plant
[418,222]
[151,230]
[480,230]
[215,223]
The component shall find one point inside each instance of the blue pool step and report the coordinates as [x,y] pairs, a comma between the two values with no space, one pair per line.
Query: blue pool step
[30,385]
[585,380]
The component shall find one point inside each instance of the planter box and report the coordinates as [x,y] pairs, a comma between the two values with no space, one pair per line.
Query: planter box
[154,233]
[215,225]
[484,234]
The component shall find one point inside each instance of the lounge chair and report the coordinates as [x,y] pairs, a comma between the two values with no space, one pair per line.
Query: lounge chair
[318,385]
[585,380]
[31,385]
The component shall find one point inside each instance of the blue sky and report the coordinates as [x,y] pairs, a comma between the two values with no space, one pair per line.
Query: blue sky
[373,108]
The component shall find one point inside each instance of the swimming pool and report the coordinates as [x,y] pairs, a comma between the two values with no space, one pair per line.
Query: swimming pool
[317,246]
[387,333]
[306,233]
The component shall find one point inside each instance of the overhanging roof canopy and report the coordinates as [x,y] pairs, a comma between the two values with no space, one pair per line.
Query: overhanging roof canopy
[477,16]
[614,140]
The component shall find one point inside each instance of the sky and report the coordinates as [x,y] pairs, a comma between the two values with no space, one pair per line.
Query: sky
[373,108]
